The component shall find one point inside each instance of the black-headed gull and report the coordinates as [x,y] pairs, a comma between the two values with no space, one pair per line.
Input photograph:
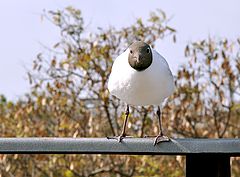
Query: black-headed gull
[140,76]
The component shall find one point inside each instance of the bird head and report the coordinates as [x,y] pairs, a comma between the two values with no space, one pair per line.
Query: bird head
[140,55]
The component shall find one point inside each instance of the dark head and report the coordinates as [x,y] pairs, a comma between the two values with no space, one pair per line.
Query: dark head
[140,56]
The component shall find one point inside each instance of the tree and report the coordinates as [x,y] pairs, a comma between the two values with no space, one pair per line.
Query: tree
[206,103]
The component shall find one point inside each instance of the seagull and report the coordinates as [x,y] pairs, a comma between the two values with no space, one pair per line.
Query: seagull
[140,76]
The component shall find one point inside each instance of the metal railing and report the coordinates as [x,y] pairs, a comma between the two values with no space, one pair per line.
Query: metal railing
[204,157]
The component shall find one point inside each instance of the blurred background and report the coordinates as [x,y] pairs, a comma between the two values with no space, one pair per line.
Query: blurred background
[56,57]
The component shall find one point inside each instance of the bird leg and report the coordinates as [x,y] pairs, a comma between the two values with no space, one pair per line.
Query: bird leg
[160,137]
[123,134]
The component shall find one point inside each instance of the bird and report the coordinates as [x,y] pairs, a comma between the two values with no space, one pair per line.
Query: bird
[140,76]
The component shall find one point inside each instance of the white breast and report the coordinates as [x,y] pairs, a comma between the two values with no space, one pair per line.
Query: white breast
[141,88]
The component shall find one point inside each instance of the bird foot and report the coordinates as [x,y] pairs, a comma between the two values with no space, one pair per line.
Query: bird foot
[158,139]
[119,138]
[161,138]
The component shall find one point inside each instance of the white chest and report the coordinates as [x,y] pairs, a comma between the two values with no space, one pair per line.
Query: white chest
[148,87]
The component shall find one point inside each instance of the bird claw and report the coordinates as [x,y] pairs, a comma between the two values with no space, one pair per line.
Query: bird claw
[119,138]
[148,136]
[161,138]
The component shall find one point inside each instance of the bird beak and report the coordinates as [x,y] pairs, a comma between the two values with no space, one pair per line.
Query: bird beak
[138,57]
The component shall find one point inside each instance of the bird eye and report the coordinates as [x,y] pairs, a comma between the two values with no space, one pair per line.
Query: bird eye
[148,50]
[131,51]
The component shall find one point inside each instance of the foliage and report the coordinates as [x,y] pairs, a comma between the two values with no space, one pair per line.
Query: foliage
[69,99]
[206,103]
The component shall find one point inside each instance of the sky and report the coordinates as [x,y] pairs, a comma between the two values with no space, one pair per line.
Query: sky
[23,33]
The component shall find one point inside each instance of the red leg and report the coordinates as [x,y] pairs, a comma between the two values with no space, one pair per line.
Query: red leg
[160,137]
[123,133]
